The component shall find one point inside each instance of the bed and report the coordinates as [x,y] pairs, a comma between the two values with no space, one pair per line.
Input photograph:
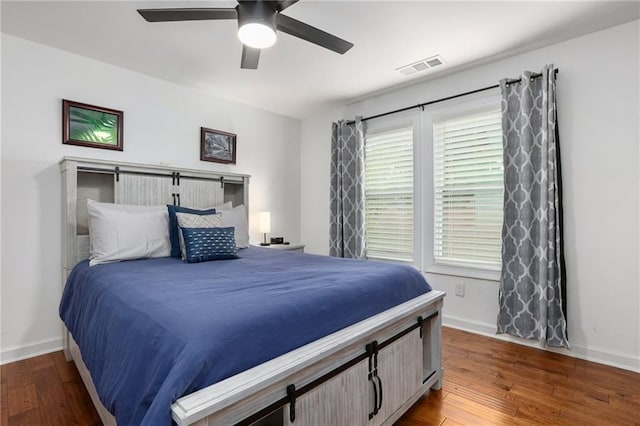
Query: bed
[270,338]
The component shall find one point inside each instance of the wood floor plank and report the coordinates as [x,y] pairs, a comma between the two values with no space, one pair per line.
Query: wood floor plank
[502,405]
[483,414]
[428,413]
[614,388]
[22,399]
[605,411]
[29,418]
[488,351]
[533,401]
[550,367]
[18,375]
[66,369]
[569,416]
[423,418]
[480,376]
[80,402]
[491,361]
[541,375]
[527,379]
[538,412]
[612,378]
[39,362]
[53,400]
[436,421]
[583,395]
[496,391]
[625,407]
[547,357]
[451,422]
[451,410]
[3,374]
[600,411]
[4,397]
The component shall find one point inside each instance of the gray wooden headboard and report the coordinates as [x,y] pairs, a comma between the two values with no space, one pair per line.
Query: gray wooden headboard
[141,184]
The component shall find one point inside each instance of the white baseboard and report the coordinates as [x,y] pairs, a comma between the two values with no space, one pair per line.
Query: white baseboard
[18,353]
[614,359]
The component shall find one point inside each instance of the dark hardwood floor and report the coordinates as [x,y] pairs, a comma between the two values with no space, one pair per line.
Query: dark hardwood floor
[487,382]
[491,382]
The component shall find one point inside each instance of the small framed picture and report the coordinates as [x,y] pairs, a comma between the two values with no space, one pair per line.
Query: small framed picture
[217,146]
[92,126]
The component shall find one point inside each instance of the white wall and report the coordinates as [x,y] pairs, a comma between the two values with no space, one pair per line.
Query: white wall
[315,152]
[598,108]
[161,124]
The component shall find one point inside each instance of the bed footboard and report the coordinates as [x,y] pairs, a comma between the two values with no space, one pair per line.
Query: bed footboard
[368,373]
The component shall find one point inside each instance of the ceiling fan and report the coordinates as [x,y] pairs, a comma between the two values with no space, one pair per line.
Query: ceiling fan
[257,24]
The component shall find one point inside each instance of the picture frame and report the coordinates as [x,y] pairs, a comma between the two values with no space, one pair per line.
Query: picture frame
[92,126]
[217,146]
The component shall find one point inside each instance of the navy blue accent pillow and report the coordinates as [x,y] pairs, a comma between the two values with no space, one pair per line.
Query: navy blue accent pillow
[174,228]
[204,244]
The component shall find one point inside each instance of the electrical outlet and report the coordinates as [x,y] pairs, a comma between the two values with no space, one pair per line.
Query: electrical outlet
[460,289]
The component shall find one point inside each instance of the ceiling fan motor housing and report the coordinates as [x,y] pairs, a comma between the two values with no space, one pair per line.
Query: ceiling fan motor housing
[257,13]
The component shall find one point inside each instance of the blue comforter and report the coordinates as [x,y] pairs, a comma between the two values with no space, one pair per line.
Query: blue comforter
[151,331]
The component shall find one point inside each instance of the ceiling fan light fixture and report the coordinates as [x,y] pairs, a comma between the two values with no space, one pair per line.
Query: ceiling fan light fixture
[257,35]
[258,22]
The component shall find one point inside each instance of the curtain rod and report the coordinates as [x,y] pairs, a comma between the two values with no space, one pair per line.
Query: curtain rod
[459,95]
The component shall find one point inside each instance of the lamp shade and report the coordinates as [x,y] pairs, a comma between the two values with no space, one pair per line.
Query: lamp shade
[264,222]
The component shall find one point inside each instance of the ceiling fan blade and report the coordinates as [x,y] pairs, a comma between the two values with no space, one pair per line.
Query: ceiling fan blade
[312,34]
[181,14]
[283,4]
[250,58]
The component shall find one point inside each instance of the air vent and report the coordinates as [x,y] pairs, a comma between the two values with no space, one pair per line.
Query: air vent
[422,65]
[434,62]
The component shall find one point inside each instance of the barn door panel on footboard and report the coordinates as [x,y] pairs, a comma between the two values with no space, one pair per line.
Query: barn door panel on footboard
[345,400]
[399,374]
[368,393]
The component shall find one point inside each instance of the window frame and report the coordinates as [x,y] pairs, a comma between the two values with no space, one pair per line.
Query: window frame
[435,113]
[397,121]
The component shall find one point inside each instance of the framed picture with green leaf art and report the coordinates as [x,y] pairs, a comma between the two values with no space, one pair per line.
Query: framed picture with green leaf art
[92,126]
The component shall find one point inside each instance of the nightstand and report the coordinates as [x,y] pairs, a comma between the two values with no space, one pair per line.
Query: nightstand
[289,247]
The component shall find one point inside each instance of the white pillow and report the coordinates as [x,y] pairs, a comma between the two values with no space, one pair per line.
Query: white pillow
[237,217]
[120,207]
[124,232]
[187,220]
[226,206]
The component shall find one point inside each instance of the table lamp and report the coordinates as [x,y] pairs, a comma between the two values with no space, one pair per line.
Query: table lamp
[264,225]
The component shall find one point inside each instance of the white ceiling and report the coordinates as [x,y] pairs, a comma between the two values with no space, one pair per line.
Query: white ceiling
[296,78]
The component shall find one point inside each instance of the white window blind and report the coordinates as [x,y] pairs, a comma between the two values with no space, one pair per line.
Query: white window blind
[389,194]
[468,189]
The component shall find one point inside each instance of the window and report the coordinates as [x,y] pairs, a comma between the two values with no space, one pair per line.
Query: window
[468,190]
[389,194]
[434,188]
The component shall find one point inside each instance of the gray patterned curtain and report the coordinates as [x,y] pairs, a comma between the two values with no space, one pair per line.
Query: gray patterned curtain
[532,282]
[347,190]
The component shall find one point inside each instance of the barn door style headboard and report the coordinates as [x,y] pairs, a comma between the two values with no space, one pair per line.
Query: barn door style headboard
[140,184]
